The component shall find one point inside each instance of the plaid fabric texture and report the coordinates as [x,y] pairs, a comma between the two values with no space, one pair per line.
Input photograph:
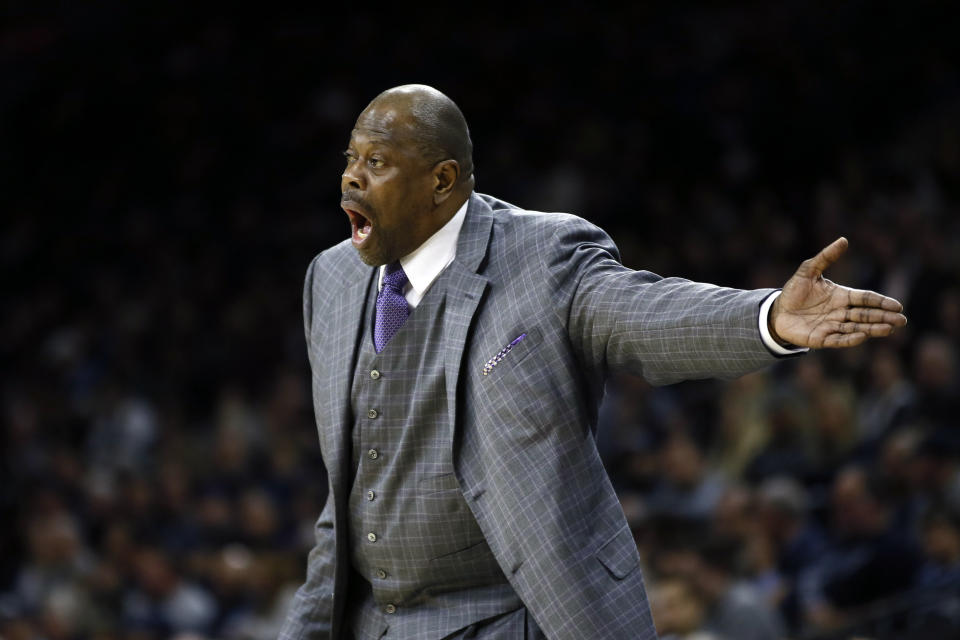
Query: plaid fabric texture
[525,457]
[431,571]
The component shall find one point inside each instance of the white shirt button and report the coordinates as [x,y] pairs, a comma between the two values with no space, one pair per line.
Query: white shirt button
[374,374]
[372,537]
[372,413]
[372,454]
[381,574]
[390,608]
[371,495]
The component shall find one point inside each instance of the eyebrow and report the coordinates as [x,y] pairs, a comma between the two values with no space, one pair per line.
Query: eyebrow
[376,148]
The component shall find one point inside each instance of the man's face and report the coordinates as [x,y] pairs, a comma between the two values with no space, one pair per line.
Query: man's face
[387,187]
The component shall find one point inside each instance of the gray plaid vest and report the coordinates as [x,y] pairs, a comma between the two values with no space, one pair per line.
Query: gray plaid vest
[421,566]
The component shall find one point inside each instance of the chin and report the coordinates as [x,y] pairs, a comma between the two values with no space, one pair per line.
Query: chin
[370,260]
[371,256]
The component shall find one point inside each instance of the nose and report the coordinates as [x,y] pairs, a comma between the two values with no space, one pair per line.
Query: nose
[352,178]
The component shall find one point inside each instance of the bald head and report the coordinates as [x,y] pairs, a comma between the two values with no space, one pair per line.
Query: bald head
[433,122]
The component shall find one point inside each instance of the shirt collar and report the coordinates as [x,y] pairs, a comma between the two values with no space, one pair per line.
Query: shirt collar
[425,263]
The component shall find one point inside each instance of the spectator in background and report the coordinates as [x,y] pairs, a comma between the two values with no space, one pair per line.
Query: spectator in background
[123,430]
[787,448]
[797,541]
[164,602]
[941,549]
[869,557]
[737,518]
[687,487]
[734,517]
[834,425]
[938,462]
[744,426]
[259,521]
[936,607]
[825,417]
[58,565]
[897,468]
[734,608]
[679,611]
[935,371]
[887,398]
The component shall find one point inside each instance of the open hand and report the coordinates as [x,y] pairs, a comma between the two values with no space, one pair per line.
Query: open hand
[815,312]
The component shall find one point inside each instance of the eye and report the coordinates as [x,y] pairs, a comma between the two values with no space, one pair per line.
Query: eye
[376,162]
[349,156]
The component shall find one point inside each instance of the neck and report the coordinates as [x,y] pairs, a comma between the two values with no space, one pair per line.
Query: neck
[456,201]
[448,208]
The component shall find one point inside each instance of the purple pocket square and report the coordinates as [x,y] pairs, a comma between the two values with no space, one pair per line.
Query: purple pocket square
[495,360]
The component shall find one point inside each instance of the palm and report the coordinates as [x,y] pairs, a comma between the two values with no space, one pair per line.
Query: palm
[815,312]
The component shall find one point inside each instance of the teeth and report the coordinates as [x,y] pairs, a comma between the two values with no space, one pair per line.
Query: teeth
[361,233]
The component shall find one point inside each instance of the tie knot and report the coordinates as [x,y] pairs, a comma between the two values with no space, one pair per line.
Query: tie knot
[394,277]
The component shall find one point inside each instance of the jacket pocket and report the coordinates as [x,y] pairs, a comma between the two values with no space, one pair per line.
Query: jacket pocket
[619,554]
[438,483]
[512,354]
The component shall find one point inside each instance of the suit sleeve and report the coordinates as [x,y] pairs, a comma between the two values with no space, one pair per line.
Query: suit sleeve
[311,612]
[663,329]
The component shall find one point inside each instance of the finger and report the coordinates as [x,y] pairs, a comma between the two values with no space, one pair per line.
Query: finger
[842,340]
[866,314]
[877,330]
[864,298]
[815,266]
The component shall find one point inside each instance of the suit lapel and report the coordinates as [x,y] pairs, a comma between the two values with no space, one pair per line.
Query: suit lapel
[465,289]
[350,310]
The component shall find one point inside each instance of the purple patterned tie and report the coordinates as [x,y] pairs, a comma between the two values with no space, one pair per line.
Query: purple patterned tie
[392,307]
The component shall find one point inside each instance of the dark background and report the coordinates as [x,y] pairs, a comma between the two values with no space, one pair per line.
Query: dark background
[168,171]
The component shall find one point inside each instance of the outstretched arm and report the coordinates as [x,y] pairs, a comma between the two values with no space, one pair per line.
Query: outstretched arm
[662,329]
[815,312]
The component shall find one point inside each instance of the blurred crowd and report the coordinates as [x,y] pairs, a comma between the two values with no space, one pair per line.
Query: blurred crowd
[169,172]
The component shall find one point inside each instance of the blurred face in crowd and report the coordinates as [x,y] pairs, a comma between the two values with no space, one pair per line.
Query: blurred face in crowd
[53,539]
[855,511]
[682,462]
[676,608]
[732,516]
[941,541]
[388,185]
[884,369]
[154,574]
[934,364]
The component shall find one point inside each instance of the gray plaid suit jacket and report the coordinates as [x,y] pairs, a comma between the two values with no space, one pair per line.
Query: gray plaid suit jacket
[523,437]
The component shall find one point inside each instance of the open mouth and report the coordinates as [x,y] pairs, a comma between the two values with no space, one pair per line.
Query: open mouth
[360,226]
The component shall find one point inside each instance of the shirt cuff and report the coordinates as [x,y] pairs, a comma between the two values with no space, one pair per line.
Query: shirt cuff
[776,348]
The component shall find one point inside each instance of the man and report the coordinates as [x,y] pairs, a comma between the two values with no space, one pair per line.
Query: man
[459,347]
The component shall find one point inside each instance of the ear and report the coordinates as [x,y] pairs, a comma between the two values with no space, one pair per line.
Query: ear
[445,176]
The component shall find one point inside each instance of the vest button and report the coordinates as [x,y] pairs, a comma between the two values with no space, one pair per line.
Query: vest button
[381,574]
[371,495]
[390,608]
[372,413]
[372,454]
[372,537]
[374,374]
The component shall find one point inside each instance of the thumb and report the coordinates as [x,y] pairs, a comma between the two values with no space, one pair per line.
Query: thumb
[815,266]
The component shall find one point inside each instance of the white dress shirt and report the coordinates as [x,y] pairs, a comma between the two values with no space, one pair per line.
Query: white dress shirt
[427,261]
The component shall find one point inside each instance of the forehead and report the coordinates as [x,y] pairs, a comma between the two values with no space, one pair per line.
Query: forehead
[387,127]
